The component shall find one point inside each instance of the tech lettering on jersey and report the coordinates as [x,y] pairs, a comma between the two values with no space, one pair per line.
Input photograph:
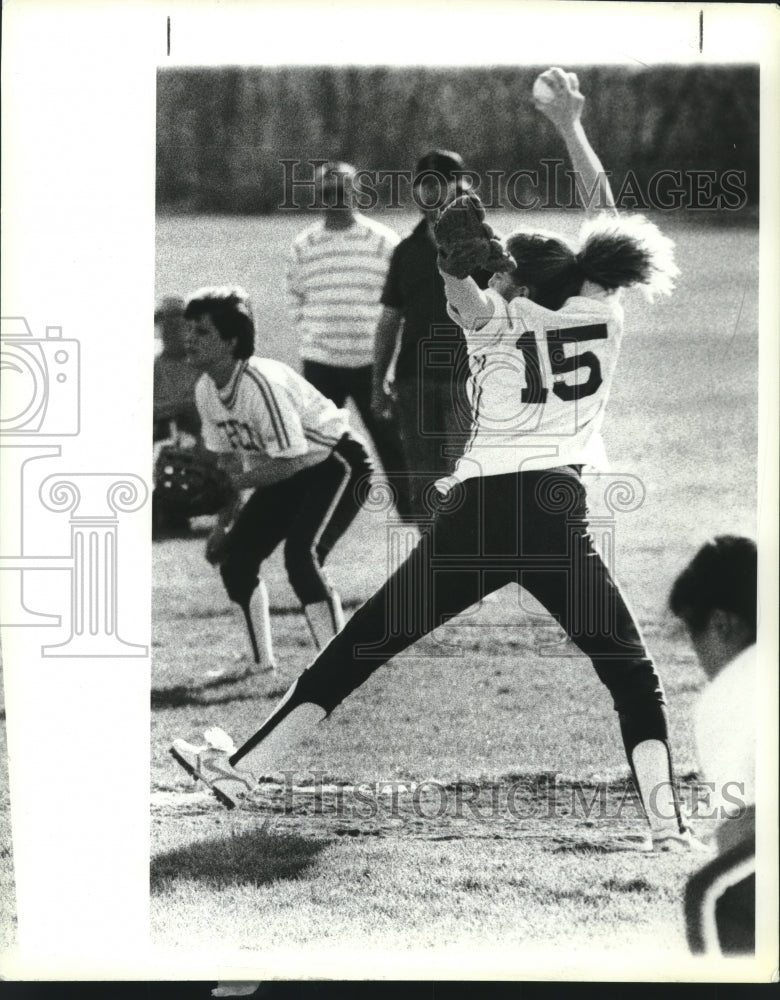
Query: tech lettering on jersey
[267,407]
[240,435]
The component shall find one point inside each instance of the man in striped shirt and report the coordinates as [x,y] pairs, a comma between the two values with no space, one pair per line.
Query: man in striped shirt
[335,276]
[276,435]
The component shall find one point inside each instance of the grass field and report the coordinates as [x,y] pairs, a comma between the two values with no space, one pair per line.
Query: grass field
[477,709]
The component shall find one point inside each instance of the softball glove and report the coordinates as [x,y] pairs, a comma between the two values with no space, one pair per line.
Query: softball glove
[466,242]
[189,482]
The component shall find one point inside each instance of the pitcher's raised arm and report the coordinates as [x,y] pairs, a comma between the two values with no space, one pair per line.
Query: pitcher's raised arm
[557,95]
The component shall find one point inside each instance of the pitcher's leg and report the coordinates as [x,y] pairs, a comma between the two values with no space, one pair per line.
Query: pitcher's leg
[578,589]
[418,597]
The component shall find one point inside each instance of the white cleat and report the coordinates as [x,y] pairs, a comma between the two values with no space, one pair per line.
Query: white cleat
[210,764]
[673,841]
[218,739]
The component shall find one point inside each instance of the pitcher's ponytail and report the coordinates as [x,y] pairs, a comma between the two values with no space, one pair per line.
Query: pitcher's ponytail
[626,251]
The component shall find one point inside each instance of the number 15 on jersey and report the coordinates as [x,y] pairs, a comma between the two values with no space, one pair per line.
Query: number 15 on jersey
[535,390]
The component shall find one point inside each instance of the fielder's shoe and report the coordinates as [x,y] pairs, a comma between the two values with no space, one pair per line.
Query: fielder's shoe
[678,841]
[210,764]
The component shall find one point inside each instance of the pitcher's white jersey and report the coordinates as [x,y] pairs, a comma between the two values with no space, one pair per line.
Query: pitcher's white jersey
[267,407]
[539,383]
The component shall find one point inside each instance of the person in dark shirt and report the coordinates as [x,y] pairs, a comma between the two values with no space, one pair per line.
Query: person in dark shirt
[428,390]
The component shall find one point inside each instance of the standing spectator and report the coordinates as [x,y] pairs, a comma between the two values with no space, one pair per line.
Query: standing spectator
[431,367]
[335,276]
[174,376]
[715,596]
[175,415]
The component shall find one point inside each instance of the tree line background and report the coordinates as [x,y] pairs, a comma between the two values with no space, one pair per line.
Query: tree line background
[221,133]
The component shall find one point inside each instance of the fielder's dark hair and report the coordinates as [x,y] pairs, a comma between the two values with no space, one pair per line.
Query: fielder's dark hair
[723,574]
[230,312]
[614,252]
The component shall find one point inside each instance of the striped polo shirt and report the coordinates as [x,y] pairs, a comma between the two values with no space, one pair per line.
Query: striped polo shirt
[334,281]
[267,407]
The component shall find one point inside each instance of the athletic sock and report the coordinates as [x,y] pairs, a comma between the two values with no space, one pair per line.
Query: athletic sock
[325,619]
[260,614]
[651,763]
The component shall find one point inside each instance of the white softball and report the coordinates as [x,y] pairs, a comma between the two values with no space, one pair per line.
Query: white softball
[542,91]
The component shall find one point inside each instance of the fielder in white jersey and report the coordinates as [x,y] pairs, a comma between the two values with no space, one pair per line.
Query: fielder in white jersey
[542,343]
[267,408]
[282,439]
[716,598]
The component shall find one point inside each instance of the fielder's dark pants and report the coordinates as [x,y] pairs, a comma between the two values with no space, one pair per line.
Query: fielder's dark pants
[341,384]
[310,511]
[530,529]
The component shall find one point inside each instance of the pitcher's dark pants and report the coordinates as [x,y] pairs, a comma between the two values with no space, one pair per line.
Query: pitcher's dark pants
[527,528]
